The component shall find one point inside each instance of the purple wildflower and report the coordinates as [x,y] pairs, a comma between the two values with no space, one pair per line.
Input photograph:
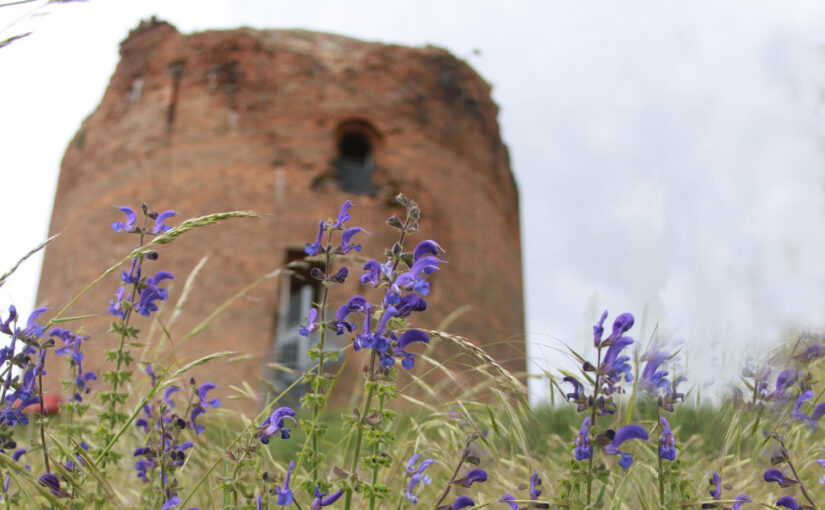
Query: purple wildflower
[475,475]
[625,433]
[321,498]
[148,296]
[716,486]
[346,237]
[535,482]
[275,425]
[160,227]
[741,500]
[343,215]
[620,326]
[408,337]
[462,502]
[788,502]
[584,450]
[315,248]
[285,495]
[667,444]
[311,326]
[417,476]
[510,500]
[775,475]
[652,379]
[52,483]
[372,273]
[131,217]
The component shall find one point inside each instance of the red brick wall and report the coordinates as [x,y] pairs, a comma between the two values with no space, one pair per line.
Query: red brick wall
[254,126]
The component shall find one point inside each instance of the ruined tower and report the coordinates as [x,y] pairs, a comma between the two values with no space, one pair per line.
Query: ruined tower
[287,123]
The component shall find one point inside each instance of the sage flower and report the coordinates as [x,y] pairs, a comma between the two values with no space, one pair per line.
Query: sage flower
[462,502]
[285,495]
[625,433]
[417,476]
[322,500]
[131,217]
[584,450]
[788,502]
[275,425]
[667,444]
[775,475]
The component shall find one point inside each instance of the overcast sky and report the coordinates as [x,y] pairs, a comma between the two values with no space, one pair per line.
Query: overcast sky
[669,154]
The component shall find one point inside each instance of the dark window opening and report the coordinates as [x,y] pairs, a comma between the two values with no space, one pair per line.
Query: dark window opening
[354,163]
[288,359]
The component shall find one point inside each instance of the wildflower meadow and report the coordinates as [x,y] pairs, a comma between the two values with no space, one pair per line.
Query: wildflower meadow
[625,431]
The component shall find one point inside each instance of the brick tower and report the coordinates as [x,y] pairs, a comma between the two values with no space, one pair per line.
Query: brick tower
[287,123]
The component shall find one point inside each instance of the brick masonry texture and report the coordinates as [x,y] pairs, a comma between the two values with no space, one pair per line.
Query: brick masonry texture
[250,120]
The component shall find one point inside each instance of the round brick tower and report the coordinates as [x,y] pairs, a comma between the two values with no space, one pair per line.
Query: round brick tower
[289,124]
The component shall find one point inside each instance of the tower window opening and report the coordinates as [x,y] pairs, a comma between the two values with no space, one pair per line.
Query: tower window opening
[288,359]
[355,164]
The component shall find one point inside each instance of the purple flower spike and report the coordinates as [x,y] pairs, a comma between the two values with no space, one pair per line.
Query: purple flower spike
[171,503]
[667,445]
[167,397]
[535,482]
[417,477]
[52,483]
[321,498]
[510,500]
[426,248]
[311,326]
[408,337]
[788,502]
[578,388]
[462,502]
[203,389]
[33,329]
[343,215]
[620,326]
[131,217]
[475,475]
[625,433]
[741,500]
[813,352]
[275,424]
[372,274]
[716,486]
[285,495]
[315,248]
[598,329]
[159,226]
[775,475]
[346,237]
[583,448]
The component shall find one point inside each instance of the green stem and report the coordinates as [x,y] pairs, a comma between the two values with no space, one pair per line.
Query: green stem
[43,421]
[317,405]
[593,423]
[360,434]
[124,323]
[376,451]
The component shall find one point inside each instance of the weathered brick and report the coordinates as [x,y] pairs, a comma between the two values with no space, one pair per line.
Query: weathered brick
[251,119]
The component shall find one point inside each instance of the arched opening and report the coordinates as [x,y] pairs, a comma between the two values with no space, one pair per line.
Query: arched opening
[355,159]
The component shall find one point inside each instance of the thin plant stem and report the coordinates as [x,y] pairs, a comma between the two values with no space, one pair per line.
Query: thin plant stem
[318,406]
[43,421]
[593,421]
[360,433]
[455,474]
[796,475]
